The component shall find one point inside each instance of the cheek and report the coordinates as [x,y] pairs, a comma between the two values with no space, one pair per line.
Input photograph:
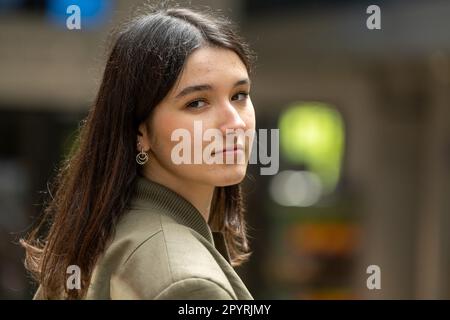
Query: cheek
[162,128]
[165,124]
[249,118]
[250,123]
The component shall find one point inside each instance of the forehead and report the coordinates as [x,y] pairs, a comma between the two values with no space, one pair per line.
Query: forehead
[210,64]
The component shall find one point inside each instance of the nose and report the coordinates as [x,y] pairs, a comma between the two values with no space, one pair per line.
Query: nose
[230,119]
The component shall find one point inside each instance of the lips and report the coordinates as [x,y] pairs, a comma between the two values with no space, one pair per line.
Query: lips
[234,148]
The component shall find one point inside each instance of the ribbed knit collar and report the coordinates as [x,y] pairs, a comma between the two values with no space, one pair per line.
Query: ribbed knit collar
[152,194]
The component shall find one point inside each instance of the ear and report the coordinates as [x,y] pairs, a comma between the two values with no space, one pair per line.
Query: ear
[143,138]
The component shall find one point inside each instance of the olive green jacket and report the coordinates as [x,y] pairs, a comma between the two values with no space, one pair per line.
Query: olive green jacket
[164,249]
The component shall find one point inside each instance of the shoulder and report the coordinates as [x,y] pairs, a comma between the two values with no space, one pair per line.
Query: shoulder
[195,289]
[165,260]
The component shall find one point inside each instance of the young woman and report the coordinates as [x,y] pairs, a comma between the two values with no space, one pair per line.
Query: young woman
[125,219]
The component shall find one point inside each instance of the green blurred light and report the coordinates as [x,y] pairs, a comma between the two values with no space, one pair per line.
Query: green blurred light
[312,133]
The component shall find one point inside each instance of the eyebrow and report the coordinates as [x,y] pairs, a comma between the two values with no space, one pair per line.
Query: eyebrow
[203,87]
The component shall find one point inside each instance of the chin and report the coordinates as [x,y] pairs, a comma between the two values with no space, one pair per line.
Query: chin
[230,175]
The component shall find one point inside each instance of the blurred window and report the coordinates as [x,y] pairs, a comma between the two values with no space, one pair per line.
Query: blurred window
[261,6]
[94,13]
[35,6]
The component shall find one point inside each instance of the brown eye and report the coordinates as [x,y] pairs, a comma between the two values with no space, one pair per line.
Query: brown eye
[196,104]
[243,95]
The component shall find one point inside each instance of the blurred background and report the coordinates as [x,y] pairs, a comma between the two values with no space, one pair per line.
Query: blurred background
[364,119]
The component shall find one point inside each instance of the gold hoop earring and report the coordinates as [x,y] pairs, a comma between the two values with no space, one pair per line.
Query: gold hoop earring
[142,157]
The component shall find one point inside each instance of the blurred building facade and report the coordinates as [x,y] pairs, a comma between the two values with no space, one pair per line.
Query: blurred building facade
[390,88]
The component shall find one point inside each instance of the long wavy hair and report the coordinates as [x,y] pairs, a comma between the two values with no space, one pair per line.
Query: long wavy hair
[93,185]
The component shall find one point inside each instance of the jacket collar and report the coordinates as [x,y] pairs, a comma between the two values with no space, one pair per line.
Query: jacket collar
[154,195]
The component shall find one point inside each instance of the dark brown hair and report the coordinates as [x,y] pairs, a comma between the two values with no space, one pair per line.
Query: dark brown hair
[94,183]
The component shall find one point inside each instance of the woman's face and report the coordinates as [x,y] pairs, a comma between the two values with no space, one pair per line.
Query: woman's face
[218,101]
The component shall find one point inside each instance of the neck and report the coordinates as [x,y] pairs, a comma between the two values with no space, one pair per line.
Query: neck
[199,195]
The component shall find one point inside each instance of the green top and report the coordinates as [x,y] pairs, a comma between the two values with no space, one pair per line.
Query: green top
[164,249]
